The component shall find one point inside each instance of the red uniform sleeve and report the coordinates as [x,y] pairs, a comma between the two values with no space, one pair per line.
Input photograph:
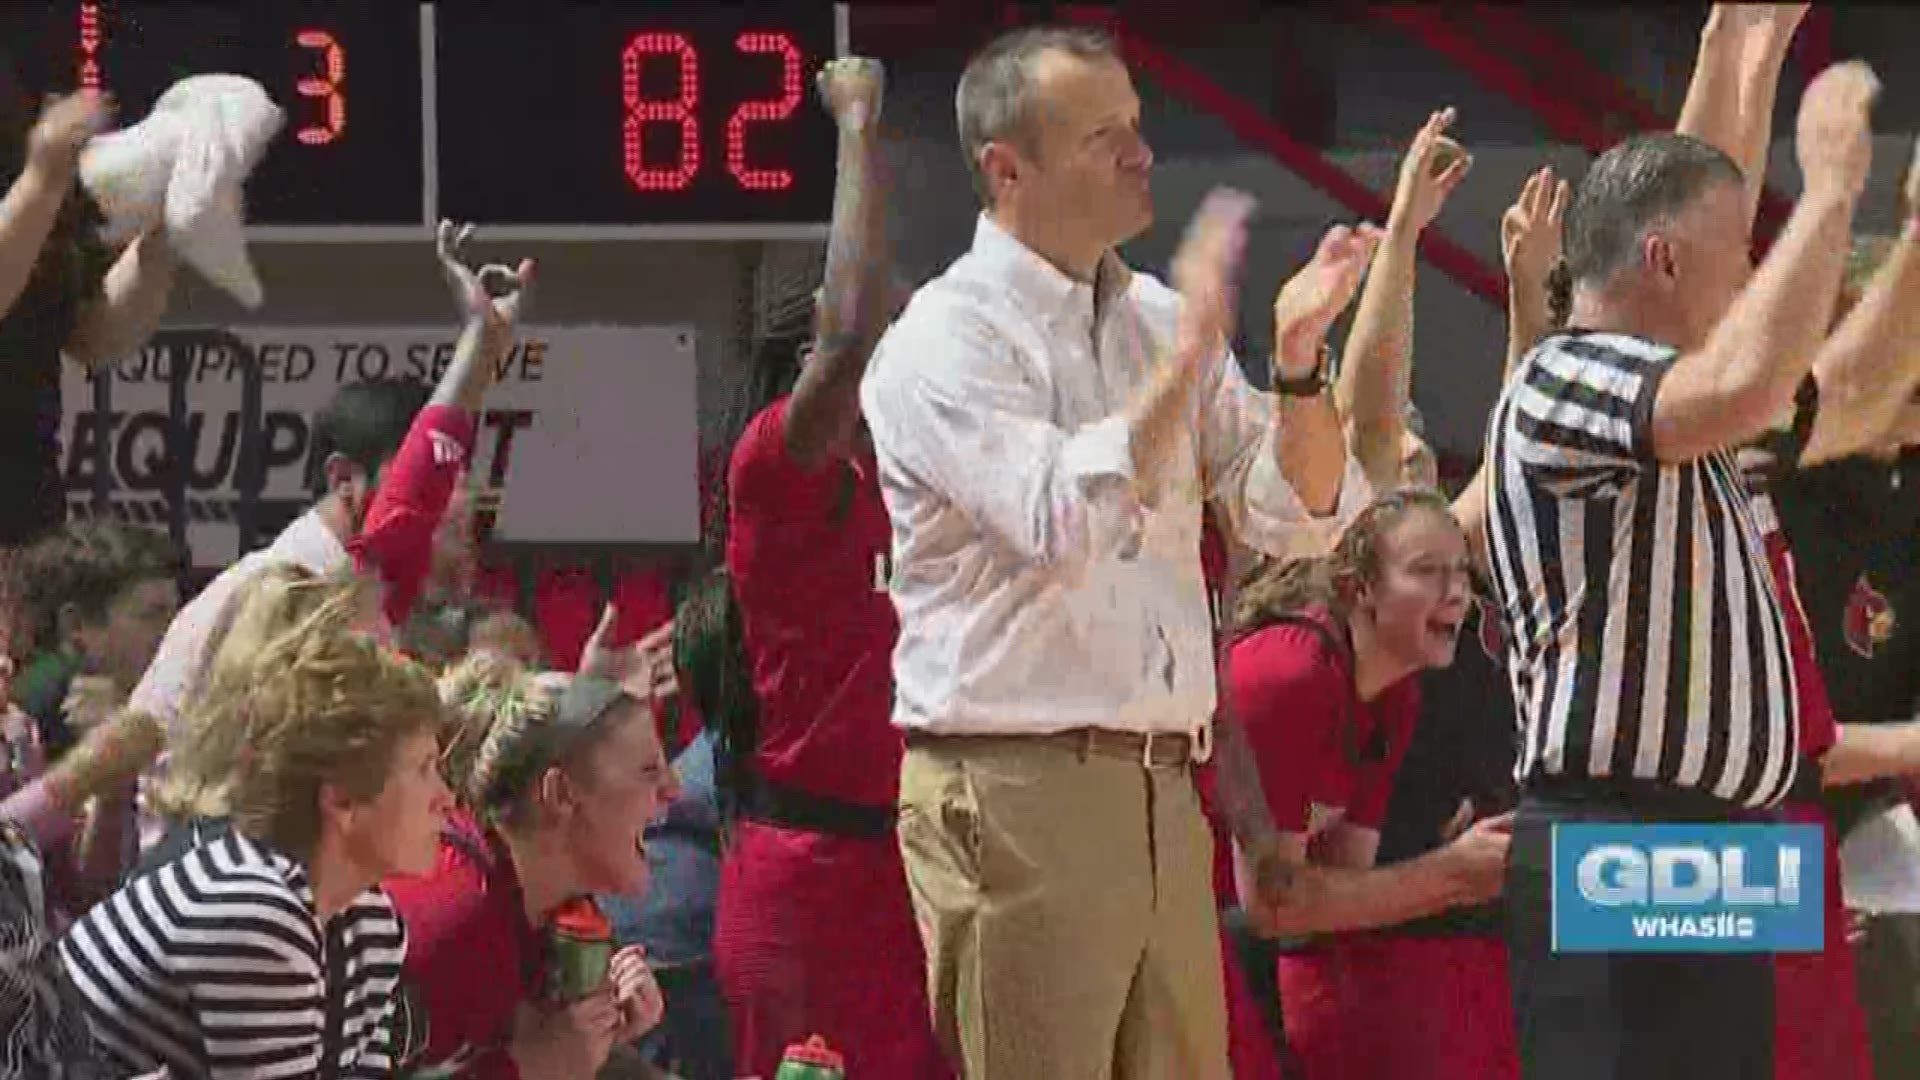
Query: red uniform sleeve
[460,971]
[762,475]
[1398,712]
[1289,696]
[396,541]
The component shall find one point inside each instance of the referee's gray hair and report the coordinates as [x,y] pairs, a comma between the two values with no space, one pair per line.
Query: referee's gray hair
[995,100]
[1638,185]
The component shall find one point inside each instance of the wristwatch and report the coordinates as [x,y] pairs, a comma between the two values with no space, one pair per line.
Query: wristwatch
[1312,384]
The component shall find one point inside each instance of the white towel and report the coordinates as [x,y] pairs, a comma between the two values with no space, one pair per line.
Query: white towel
[183,166]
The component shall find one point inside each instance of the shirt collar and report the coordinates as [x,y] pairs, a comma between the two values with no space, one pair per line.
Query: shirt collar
[1038,284]
[311,545]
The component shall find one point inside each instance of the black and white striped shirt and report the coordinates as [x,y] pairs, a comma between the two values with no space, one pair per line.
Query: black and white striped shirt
[1647,637]
[214,966]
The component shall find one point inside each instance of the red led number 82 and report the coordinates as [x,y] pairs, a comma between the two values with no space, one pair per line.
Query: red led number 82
[683,111]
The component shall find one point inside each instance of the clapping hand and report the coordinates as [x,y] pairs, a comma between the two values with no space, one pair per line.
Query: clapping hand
[1835,135]
[1313,298]
[1206,271]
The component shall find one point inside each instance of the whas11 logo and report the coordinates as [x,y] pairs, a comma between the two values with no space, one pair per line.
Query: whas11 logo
[1688,888]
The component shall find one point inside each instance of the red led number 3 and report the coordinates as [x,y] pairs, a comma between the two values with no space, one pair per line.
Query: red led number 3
[325,88]
[684,110]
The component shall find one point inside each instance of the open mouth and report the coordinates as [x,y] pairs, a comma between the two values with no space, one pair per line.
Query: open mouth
[1444,630]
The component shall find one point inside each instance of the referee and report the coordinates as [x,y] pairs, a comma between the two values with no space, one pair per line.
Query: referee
[1650,661]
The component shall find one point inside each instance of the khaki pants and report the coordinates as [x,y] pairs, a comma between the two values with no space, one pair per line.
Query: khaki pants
[1067,907]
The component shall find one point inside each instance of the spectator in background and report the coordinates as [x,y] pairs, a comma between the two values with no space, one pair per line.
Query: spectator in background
[272,951]
[388,468]
[62,292]
[814,932]
[556,784]
[45,1036]
[101,595]
[1322,677]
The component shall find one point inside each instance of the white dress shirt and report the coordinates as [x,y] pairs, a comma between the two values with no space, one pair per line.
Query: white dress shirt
[181,661]
[1035,594]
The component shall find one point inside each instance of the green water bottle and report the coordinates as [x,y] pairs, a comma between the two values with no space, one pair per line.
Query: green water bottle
[579,950]
[811,1060]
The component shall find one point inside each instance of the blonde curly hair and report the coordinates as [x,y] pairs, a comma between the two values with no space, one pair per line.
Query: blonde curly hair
[325,706]
[294,698]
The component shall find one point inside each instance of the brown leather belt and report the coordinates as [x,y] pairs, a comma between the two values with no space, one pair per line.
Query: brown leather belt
[1152,750]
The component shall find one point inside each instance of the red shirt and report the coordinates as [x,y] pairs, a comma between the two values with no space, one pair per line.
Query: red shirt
[1323,754]
[396,540]
[472,958]
[808,554]
[1818,728]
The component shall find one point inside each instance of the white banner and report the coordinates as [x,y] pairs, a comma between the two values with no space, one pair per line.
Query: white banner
[590,433]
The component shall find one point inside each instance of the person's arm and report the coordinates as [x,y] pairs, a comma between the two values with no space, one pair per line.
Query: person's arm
[1867,372]
[952,406]
[1276,465]
[1292,895]
[1731,390]
[396,540]
[33,202]
[1376,369]
[1872,752]
[1736,78]
[855,298]
[132,301]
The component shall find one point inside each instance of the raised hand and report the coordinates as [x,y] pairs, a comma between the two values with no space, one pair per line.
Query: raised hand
[1314,297]
[1530,230]
[851,88]
[1433,167]
[64,127]
[1206,271]
[1835,134]
[493,294]
[643,668]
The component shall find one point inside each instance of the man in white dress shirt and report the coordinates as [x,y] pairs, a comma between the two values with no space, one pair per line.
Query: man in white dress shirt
[1048,425]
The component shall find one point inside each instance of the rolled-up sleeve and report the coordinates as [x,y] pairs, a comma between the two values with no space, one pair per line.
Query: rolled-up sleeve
[953,410]
[1245,482]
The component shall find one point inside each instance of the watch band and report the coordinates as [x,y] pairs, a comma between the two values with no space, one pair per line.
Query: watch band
[1312,384]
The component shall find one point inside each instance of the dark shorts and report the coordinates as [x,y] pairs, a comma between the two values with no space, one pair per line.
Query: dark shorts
[1626,1016]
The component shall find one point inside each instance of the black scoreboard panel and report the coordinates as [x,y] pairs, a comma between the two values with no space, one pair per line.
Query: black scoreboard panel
[347,75]
[542,113]
[635,112]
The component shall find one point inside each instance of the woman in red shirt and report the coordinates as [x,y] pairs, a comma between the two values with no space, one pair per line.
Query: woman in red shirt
[1321,676]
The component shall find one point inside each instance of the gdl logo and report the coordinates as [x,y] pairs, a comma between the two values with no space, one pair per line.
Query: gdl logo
[1688,888]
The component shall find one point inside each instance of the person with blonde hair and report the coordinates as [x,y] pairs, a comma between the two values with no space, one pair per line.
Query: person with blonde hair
[271,950]
[557,776]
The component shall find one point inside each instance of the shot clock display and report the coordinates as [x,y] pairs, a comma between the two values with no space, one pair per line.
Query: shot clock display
[614,117]
[575,113]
